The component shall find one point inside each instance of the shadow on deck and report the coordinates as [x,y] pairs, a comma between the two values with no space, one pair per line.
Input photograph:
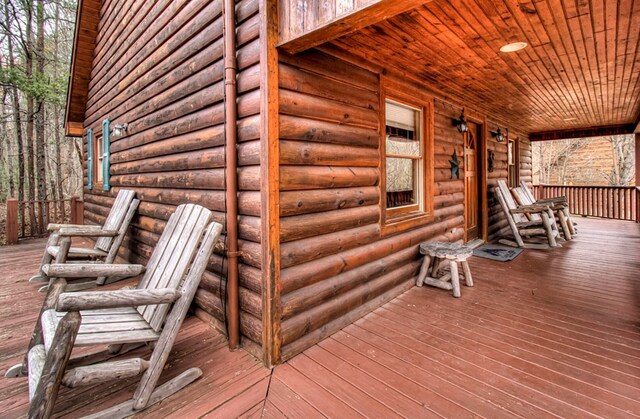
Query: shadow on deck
[552,333]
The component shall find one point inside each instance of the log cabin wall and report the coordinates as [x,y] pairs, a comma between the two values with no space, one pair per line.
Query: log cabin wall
[158,66]
[336,265]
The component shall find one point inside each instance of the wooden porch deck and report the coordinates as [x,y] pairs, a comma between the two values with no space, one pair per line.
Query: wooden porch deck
[232,382]
[552,333]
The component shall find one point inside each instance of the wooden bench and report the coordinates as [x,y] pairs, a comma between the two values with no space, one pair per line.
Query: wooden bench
[438,252]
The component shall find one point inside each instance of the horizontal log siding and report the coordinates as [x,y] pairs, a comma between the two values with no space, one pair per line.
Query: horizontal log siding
[333,257]
[336,265]
[165,79]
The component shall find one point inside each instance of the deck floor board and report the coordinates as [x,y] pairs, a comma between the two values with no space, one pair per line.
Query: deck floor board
[554,333]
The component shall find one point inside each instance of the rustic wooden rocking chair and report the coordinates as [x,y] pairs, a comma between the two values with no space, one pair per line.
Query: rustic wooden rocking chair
[558,203]
[122,319]
[521,226]
[109,238]
[559,210]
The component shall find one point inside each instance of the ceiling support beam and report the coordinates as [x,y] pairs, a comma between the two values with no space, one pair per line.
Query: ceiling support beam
[302,31]
[583,132]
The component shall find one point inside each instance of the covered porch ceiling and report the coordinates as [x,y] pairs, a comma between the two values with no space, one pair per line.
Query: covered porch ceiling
[580,70]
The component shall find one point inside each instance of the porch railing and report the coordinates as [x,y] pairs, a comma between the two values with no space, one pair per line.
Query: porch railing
[28,219]
[615,202]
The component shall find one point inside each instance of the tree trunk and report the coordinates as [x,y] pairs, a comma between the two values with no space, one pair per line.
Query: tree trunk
[41,167]
[5,149]
[59,192]
[31,167]
[17,110]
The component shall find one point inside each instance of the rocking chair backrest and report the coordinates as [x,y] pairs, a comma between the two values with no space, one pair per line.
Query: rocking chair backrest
[509,201]
[524,199]
[115,218]
[527,191]
[173,256]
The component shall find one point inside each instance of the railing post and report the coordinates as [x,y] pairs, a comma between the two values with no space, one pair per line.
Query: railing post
[77,210]
[12,221]
[541,191]
[637,203]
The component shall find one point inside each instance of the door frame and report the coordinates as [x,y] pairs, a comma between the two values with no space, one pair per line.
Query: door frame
[483,189]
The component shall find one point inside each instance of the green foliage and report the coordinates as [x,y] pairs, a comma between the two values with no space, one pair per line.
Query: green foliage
[41,87]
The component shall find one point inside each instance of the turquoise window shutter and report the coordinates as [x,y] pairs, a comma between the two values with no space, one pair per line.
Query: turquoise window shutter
[90,158]
[106,153]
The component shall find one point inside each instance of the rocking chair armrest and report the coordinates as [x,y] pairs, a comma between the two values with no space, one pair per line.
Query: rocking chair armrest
[56,227]
[76,301]
[90,270]
[84,231]
[529,209]
[559,199]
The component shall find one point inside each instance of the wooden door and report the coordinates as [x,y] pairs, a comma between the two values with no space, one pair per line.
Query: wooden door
[472,203]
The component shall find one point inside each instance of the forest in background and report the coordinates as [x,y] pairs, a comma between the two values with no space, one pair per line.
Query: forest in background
[600,161]
[37,162]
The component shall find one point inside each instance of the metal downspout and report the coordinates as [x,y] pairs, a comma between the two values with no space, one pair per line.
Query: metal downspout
[230,71]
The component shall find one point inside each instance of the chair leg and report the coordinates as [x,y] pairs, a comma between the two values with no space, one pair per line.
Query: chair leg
[436,266]
[567,215]
[467,274]
[424,270]
[44,398]
[46,259]
[563,223]
[455,278]
[549,229]
[552,219]
[50,301]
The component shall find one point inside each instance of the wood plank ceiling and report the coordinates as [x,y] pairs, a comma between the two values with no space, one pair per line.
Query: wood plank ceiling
[84,42]
[581,68]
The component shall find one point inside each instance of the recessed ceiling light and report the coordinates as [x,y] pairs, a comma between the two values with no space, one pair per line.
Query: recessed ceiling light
[569,119]
[513,47]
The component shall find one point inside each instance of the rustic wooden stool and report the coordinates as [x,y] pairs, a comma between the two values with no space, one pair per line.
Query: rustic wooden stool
[439,252]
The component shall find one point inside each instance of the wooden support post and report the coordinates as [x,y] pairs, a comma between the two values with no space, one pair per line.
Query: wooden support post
[12,221]
[637,177]
[77,210]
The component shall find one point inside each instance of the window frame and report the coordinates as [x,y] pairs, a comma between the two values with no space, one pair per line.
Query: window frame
[98,158]
[515,153]
[398,219]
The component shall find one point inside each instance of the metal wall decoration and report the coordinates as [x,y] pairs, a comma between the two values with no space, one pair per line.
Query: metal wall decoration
[455,165]
[491,156]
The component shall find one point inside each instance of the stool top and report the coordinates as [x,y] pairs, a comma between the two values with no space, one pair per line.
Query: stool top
[453,251]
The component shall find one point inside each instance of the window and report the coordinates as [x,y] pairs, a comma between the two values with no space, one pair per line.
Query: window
[404,154]
[406,158]
[512,163]
[98,157]
[90,164]
[97,169]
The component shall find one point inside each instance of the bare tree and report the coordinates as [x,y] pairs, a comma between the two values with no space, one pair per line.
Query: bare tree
[39,112]
[551,159]
[623,168]
[17,109]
